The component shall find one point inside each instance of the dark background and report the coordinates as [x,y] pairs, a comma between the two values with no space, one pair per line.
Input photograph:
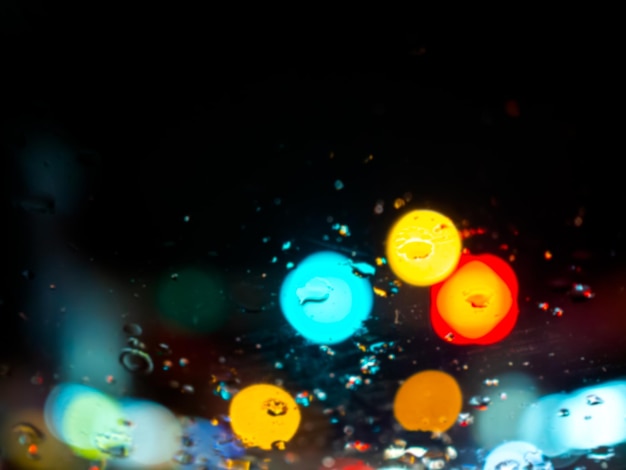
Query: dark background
[512,126]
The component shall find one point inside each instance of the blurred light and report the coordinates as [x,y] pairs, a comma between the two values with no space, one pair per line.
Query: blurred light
[500,422]
[194,301]
[478,303]
[77,414]
[324,300]
[539,422]
[517,455]
[154,431]
[264,416]
[209,442]
[423,247]
[428,401]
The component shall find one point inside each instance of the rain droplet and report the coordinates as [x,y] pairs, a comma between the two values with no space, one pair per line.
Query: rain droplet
[114,444]
[27,434]
[581,292]
[164,349]
[563,412]
[136,361]
[593,399]
[316,290]
[132,329]
[275,407]
[480,402]
[279,445]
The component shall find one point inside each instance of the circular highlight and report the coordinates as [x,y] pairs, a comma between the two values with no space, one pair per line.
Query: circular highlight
[324,300]
[477,304]
[423,247]
[264,416]
[428,401]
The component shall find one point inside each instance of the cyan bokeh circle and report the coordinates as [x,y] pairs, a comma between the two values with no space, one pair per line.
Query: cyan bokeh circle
[324,300]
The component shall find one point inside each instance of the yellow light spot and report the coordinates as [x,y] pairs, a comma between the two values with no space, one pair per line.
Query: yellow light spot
[398,203]
[547,255]
[474,300]
[428,401]
[423,247]
[262,415]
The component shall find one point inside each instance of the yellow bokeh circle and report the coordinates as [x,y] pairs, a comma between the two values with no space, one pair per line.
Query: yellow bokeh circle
[428,401]
[264,416]
[423,247]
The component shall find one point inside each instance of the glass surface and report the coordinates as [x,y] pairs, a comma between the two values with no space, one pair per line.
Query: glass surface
[187,221]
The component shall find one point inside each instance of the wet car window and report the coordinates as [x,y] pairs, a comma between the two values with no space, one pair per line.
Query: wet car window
[338,258]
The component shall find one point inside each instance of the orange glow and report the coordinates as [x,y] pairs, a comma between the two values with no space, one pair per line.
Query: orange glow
[423,247]
[478,303]
[547,255]
[428,401]
[264,416]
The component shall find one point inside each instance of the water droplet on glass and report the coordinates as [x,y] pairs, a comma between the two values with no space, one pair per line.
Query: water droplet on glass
[275,407]
[593,399]
[136,361]
[581,292]
[114,444]
[480,402]
[163,349]
[315,290]
[132,329]
[363,269]
[27,434]
[279,445]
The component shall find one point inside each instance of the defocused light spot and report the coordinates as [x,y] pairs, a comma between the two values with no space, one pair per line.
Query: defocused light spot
[428,401]
[516,455]
[263,414]
[500,421]
[77,414]
[324,300]
[195,301]
[154,432]
[478,303]
[423,247]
